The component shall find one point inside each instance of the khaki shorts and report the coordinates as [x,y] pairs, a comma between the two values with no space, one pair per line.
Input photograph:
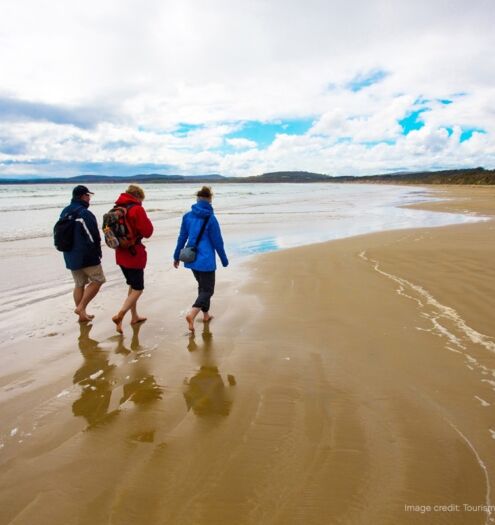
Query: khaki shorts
[90,273]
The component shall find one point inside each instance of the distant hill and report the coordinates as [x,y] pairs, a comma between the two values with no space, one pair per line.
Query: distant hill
[461,176]
[286,176]
[109,179]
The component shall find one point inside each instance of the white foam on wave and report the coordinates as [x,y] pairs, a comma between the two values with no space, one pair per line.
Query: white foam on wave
[481,463]
[482,401]
[449,314]
[63,393]
[443,312]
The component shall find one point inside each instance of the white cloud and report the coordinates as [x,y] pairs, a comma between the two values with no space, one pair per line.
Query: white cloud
[241,143]
[159,63]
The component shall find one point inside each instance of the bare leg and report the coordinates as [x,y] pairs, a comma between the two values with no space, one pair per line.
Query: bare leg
[135,317]
[89,293]
[207,317]
[129,303]
[191,316]
[78,294]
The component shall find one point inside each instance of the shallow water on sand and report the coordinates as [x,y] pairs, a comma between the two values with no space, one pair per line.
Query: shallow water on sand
[277,210]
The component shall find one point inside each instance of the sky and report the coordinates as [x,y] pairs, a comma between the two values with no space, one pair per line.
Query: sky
[342,87]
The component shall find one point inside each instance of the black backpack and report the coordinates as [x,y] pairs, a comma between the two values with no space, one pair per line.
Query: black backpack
[63,231]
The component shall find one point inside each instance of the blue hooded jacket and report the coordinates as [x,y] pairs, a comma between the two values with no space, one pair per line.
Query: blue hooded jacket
[210,242]
[86,249]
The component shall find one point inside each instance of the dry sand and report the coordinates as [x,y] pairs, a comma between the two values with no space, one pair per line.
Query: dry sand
[338,383]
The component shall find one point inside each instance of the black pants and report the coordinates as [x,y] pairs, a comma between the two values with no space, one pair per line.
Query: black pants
[206,288]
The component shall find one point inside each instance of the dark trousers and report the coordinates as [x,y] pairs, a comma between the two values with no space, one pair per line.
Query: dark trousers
[206,288]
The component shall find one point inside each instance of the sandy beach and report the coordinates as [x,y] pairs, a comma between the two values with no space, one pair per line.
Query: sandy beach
[346,382]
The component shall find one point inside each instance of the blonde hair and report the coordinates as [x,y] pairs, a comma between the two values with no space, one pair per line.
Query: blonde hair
[135,191]
[204,193]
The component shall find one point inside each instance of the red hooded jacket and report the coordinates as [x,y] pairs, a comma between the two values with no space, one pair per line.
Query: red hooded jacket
[142,227]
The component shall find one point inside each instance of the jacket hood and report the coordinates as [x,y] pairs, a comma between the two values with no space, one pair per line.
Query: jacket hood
[126,198]
[202,209]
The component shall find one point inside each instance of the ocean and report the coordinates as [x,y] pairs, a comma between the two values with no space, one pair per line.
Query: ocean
[254,219]
[267,216]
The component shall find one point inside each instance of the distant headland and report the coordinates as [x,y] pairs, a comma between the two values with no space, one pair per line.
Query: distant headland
[477,176]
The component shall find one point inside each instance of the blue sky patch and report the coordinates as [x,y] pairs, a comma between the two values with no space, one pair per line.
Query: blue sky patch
[184,128]
[412,121]
[467,133]
[372,143]
[365,80]
[264,133]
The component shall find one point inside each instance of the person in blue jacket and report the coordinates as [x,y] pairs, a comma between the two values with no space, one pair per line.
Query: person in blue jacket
[84,259]
[204,266]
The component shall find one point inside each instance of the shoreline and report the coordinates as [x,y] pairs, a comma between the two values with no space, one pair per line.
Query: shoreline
[339,381]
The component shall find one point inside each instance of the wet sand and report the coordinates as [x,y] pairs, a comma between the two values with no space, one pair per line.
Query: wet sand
[338,383]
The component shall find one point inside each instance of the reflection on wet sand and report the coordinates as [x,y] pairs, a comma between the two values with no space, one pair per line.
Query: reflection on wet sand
[134,346]
[98,378]
[142,387]
[94,378]
[205,393]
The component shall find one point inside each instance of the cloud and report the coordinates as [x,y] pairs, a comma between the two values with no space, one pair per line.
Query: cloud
[311,85]
[241,143]
[84,117]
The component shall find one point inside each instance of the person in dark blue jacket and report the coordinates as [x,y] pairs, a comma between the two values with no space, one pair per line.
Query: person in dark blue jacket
[204,266]
[84,259]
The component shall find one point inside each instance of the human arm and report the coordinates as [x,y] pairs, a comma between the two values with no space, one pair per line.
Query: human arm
[217,240]
[92,232]
[181,240]
[144,228]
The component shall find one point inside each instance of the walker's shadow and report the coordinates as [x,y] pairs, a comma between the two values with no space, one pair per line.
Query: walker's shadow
[205,393]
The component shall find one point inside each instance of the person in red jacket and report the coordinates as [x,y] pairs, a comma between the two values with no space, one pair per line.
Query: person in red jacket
[132,261]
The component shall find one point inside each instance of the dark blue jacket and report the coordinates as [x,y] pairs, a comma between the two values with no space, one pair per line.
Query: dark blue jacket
[86,250]
[210,242]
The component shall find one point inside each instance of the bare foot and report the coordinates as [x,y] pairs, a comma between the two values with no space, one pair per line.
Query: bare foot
[190,322]
[207,318]
[117,319]
[83,316]
[139,320]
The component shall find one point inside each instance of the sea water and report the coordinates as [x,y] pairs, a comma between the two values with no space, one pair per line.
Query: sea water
[261,217]
[254,218]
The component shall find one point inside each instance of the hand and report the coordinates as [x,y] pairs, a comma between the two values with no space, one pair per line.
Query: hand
[225,264]
[176,264]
